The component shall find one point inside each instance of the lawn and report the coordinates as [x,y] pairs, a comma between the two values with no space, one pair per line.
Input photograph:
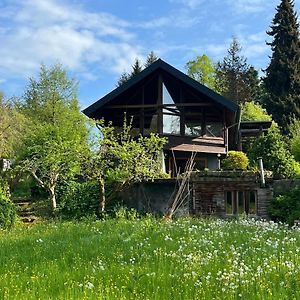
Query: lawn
[150,259]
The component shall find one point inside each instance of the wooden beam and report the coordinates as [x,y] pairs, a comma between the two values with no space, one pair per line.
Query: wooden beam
[142,114]
[160,105]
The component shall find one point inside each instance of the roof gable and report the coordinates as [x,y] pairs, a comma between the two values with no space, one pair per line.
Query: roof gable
[160,64]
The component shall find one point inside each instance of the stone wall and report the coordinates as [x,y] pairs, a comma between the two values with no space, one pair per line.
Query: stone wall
[207,197]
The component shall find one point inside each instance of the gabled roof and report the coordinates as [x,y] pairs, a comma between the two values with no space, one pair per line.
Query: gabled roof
[160,64]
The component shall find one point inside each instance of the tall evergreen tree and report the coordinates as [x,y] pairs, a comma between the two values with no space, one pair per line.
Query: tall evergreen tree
[282,81]
[151,58]
[234,77]
[136,68]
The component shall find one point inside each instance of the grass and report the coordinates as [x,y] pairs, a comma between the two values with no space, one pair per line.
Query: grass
[150,259]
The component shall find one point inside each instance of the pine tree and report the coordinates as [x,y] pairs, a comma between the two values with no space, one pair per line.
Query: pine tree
[151,58]
[136,68]
[282,81]
[123,78]
[232,79]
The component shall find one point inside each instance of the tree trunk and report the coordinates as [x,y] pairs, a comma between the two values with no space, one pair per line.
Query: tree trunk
[52,197]
[102,195]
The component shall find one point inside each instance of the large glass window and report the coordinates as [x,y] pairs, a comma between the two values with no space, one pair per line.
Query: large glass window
[171,124]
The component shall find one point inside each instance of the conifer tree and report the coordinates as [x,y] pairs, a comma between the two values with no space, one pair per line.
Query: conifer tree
[234,77]
[282,81]
[151,58]
[136,68]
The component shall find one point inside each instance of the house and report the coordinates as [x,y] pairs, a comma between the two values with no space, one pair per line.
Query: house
[163,100]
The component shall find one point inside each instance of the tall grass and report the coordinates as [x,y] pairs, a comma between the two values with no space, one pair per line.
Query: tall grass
[150,259]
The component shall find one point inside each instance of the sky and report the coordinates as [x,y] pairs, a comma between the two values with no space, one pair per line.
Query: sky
[97,40]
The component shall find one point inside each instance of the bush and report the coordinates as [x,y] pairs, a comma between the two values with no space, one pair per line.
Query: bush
[8,213]
[286,207]
[78,199]
[235,160]
[276,157]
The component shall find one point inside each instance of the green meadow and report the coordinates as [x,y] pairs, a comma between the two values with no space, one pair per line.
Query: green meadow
[148,258]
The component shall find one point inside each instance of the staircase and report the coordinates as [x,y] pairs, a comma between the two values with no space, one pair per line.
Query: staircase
[25,210]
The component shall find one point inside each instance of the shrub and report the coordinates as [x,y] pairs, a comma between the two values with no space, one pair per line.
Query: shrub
[276,157]
[8,213]
[235,160]
[78,199]
[286,207]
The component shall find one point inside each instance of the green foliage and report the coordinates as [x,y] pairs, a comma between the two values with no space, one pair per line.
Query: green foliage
[151,58]
[282,81]
[252,111]
[137,68]
[13,126]
[235,160]
[203,70]
[58,139]
[77,199]
[8,213]
[235,79]
[286,207]
[122,160]
[128,159]
[124,213]
[276,157]
[294,140]
[189,258]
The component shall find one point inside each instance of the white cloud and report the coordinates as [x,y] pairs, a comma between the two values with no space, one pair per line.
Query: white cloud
[192,4]
[49,31]
[251,6]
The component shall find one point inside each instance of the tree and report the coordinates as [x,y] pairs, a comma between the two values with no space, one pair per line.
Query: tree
[123,160]
[276,157]
[13,125]
[151,58]
[294,139]
[58,138]
[235,79]
[123,78]
[203,70]
[252,111]
[282,81]
[136,68]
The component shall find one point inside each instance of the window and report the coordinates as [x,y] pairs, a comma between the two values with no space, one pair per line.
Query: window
[239,202]
[193,129]
[214,129]
[171,124]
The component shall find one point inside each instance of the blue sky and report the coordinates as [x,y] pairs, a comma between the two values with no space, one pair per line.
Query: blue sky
[97,40]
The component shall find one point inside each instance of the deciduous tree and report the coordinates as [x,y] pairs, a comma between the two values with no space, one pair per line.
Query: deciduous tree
[58,138]
[203,70]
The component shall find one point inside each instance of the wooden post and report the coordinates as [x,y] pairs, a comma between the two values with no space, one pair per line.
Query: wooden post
[160,102]
[142,113]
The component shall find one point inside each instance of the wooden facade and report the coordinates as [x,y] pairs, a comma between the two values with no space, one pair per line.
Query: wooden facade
[163,100]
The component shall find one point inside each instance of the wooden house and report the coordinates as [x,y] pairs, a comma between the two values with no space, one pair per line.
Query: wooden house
[164,100]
